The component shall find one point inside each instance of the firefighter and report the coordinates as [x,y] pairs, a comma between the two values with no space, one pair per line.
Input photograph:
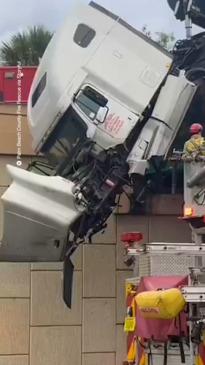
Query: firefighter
[194,148]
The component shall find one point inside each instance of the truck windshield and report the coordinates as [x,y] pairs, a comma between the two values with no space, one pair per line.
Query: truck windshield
[69,132]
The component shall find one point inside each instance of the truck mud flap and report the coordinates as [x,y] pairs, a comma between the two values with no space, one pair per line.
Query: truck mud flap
[38,211]
[68,270]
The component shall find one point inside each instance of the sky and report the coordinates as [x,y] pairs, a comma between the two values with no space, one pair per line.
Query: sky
[18,15]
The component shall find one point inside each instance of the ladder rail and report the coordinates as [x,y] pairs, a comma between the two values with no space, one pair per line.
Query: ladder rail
[163,248]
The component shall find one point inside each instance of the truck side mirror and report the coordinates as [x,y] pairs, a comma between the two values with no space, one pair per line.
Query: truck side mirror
[101,115]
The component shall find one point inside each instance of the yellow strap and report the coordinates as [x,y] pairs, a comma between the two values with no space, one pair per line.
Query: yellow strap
[132,353]
[144,359]
[199,360]
[133,305]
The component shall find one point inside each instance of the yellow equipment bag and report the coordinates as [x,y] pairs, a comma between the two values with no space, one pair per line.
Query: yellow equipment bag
[162,304]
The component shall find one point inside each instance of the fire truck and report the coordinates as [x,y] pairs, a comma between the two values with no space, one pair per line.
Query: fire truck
[165,316]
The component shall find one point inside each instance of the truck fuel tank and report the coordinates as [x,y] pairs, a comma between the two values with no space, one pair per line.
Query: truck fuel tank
[38,211]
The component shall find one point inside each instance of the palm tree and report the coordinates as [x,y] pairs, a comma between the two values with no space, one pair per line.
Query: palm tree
[27,47]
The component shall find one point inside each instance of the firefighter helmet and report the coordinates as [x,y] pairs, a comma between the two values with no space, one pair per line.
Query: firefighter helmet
[196,128]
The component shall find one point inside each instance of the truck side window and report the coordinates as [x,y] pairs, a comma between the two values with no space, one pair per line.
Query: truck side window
[39,89]
[88,106]
[84,35]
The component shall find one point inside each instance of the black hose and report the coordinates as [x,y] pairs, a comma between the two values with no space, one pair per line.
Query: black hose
[182,354]
[150,360]
[181,347]
[165,354]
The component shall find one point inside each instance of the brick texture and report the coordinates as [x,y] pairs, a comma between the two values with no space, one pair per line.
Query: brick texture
[55,345]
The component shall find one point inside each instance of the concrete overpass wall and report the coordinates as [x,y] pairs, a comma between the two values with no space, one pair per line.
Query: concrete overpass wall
[36,328]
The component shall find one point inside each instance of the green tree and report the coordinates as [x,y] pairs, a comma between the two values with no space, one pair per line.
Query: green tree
[165,39]
[146,31]
[27,47]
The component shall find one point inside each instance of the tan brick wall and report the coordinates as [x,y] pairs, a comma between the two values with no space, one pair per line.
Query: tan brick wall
[36,328]
[8,128]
